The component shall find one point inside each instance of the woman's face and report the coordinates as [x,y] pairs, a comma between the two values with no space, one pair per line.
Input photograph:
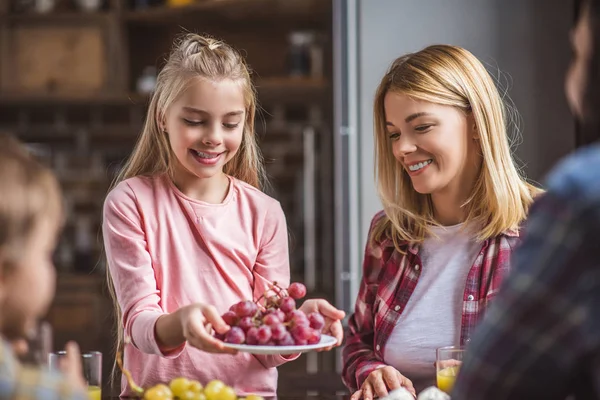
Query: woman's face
[577,76]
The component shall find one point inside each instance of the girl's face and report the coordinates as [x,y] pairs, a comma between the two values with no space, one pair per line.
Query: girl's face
[435,145]
[206,125]
[27,285]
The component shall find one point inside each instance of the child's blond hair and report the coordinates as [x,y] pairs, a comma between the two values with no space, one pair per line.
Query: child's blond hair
[29,191]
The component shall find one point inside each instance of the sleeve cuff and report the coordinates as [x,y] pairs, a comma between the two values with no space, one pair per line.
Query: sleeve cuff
[144,337]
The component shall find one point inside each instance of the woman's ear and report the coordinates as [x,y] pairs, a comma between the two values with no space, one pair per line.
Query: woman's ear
[472,127]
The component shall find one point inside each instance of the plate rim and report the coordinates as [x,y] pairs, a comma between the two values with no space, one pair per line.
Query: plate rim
[283,349]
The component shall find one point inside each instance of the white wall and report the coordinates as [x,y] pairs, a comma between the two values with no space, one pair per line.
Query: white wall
[526,39]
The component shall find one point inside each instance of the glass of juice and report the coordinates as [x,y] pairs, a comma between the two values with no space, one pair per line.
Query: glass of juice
[91,364]
[448,361]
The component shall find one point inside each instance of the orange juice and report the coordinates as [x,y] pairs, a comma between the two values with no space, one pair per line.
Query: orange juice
[446,378]
[94,393]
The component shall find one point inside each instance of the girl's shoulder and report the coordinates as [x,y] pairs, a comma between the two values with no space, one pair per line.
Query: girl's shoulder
[254,196]
[132,189]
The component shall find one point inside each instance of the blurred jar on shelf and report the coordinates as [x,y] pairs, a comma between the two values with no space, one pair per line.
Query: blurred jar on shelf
[305,55]
[179,3]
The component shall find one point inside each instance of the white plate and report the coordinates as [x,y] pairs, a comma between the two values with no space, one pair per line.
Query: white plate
[326,341]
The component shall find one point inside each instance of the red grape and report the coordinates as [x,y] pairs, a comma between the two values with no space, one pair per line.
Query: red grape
[246,323]
[220,336]
[235,335]
[300,342]
[230,318]
[299,319]
[271,320]
[280,314]
[301,332]
[287,340]
[252,336]
[287,305]
[316,321]
[315,337]
[297,290]
[278,331]
[245,309]
[264,334]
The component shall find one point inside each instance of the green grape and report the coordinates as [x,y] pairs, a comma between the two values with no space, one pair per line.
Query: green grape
[158,392]
[187,395]
[179,386]
[212,390]
[227,393]
[195,386]
[199,396]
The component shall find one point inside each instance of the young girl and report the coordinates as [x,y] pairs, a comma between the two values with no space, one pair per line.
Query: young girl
[453,202]
[187,230]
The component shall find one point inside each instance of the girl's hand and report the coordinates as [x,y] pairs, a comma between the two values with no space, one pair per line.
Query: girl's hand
[197,322]
[380,381]
[333,317]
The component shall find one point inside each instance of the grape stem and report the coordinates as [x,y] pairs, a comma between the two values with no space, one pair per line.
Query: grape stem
[127,374]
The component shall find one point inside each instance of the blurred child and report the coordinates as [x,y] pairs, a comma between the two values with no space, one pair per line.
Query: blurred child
[30,219]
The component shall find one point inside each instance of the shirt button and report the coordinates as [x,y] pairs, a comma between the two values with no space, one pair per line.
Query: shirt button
[467,340]
[397,308]
[417,267]
[471,297]
[377,347]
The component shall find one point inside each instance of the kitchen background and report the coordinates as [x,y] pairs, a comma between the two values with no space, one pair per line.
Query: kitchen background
[75,77]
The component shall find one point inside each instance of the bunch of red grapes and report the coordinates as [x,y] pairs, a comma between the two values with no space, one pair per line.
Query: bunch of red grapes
[276,323]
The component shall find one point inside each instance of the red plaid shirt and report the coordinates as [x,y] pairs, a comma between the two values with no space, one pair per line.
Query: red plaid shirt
[389,279]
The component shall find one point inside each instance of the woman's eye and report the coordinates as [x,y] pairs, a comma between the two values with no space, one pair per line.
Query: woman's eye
[394,135]
[423,128]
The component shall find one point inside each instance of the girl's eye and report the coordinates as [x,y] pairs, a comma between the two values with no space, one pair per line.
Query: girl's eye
[231,126]
[394,136]
[423,128]
[192,123]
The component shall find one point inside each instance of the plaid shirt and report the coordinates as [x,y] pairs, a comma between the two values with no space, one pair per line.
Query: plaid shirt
[389,279]
[21,383]
[541,338]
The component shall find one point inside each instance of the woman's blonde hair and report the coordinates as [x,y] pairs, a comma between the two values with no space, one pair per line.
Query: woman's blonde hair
[192,57]
[449,76]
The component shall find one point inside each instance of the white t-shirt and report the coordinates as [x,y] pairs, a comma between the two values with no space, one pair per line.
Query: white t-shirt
[432,317]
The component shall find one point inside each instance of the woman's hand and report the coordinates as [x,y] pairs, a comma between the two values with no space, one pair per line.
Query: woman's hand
[380,381]
[332,316]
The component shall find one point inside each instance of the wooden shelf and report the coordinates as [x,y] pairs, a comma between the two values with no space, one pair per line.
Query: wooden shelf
[283,89]
[57,17]
[292,90]
[61,99]
[234,9]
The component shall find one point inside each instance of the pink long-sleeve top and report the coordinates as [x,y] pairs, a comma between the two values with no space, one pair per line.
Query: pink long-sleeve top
[166,250]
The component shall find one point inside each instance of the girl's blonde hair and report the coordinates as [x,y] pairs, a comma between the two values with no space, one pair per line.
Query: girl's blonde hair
[449,76]
[192,57]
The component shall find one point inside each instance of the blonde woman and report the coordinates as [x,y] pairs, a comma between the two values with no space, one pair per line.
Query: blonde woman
[187,230]
[453,202]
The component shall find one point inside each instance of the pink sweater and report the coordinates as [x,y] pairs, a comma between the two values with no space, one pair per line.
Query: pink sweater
[166,250]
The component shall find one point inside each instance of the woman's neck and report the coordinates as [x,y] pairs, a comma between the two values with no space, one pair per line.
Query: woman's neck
[448,203]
